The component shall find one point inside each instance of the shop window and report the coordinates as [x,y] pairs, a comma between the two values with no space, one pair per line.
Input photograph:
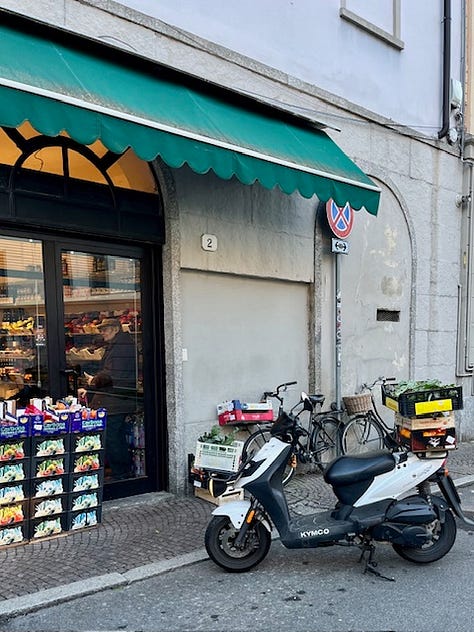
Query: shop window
[104,193]
[23,358]
[125,171]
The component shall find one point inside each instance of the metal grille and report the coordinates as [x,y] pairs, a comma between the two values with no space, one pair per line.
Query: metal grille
[389,315]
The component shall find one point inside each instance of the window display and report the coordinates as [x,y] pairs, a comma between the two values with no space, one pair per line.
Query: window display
[102,322]
[102,344]
[23,357]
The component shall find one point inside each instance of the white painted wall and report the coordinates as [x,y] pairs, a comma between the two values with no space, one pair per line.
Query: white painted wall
[310,41]
[242,337]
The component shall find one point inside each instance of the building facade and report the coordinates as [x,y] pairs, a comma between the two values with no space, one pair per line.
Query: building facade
[226,278]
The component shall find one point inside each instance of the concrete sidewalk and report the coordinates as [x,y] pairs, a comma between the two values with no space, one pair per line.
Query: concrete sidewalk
[144,536]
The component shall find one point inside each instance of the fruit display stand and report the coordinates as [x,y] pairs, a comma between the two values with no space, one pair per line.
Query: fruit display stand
[87,471]
[14,481]
[51,471]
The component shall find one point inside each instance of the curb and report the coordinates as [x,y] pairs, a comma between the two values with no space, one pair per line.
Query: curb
[52,596]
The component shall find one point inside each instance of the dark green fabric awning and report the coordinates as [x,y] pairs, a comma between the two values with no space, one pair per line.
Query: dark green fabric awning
[58,87]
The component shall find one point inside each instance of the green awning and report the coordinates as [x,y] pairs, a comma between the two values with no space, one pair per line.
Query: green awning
[57,86]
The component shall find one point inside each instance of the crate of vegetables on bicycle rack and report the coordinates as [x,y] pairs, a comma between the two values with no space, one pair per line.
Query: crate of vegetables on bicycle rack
[235,411]
[422,398]
[426,434]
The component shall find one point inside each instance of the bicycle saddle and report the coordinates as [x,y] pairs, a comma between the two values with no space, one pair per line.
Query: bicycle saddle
[316,399]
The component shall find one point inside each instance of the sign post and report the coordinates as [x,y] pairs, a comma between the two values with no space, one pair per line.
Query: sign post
[340,221]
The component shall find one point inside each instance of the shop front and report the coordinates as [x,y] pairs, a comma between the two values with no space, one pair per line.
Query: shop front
[82,220]
[65,271]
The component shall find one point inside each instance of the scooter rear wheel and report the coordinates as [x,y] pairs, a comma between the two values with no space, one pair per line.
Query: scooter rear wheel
[220,538]
[443,538]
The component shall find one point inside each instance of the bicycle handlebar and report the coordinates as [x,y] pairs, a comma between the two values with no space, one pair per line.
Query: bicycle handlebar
[276,392]
[380,380]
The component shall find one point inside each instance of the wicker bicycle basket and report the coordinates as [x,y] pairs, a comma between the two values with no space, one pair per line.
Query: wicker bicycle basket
[358,403]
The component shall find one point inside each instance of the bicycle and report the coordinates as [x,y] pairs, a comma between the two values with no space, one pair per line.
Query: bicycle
[320,442]
[366,430]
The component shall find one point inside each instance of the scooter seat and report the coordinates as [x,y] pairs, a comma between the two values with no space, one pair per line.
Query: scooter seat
[352,469]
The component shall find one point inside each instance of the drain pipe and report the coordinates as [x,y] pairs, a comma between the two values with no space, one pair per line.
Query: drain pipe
[446,68]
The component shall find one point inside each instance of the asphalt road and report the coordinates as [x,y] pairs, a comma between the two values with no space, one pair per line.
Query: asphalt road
[306,590]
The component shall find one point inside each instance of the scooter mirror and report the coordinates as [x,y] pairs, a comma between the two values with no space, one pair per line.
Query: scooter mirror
[307,405]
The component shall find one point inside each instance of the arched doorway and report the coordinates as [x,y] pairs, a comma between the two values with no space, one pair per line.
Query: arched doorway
[80,246]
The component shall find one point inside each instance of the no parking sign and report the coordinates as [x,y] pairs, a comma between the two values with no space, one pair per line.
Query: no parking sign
[340,218]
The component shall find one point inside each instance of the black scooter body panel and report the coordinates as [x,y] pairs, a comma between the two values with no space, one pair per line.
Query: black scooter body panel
[412,510]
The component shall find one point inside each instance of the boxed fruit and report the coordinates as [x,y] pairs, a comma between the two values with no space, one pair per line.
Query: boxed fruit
[84,518]
[13,535]
[43,467]
[11,514]
[45,527]
[88,419]
[13,492]
[13,450]
[48,422]
[87,442]
[51,506]
[50,446]
[87,461]
[13,472]
[14,426]
[80,501]
[85,481]
[49,487]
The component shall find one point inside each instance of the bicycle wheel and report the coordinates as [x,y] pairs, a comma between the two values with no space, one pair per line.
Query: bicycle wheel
[253,444]
[361,434]
[326,441]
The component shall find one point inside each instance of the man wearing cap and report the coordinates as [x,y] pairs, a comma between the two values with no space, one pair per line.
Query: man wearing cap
[114,388]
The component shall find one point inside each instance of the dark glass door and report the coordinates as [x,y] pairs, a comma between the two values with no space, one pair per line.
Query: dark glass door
[72,323]
[104,351]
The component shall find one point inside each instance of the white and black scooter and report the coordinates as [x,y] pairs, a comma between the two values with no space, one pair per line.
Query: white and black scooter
[383,496]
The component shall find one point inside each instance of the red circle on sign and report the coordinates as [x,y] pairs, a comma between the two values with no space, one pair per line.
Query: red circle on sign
[340,218]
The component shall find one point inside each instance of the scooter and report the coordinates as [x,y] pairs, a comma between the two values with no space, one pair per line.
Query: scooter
[383,496]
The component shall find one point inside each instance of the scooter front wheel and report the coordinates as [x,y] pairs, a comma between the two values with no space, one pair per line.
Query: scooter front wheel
[443,537]
[220,545]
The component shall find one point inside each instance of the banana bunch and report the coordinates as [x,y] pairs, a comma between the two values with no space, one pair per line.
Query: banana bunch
[20,327]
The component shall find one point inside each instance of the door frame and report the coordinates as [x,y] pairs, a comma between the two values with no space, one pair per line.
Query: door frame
[156,448]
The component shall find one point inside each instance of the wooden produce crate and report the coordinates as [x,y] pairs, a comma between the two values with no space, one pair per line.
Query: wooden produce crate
[427,434]
[235,494]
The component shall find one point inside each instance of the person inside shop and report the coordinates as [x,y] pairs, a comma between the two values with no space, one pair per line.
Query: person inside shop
[113,388]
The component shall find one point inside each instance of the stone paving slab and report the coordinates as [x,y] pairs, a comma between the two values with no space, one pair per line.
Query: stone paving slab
[145,535]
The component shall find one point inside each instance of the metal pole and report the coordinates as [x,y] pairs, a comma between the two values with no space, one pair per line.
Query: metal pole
[338,323]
